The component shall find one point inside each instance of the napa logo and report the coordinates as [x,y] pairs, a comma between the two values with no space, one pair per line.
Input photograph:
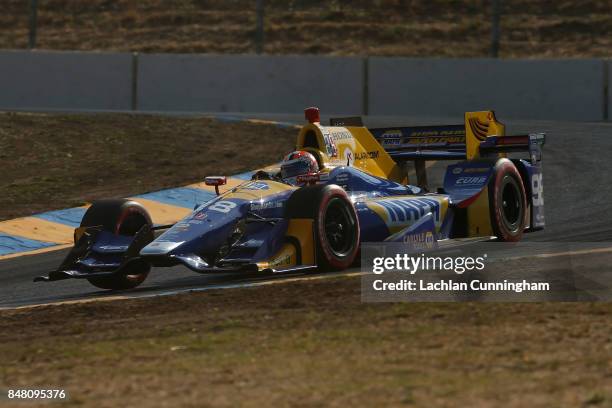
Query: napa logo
[406,211]
[257,186]
[391,138]
[422,240]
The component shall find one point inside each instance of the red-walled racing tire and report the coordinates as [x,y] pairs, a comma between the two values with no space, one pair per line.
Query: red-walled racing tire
[507,202]
[336,226]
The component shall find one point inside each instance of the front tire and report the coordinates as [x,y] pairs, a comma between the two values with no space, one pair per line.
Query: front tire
[123,217]
[336,226]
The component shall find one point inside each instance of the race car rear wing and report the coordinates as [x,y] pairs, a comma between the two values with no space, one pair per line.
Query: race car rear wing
[481,136]
[423,142]
[531,143]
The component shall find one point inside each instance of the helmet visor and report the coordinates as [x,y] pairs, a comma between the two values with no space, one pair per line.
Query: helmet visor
[294,168]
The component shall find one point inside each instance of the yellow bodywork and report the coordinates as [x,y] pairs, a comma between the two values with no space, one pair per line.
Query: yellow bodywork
[479,216]
[479,126]
[354,146]
[302,230]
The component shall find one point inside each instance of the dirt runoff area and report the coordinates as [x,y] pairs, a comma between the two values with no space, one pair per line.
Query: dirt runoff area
[55,161]
[310,343]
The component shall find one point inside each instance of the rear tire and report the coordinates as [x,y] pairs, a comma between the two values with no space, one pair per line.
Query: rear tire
[123,217]
[336,226]
[508,203]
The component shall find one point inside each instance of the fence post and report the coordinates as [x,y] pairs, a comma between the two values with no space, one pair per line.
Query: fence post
[33,18]
[496,12]
[259,31]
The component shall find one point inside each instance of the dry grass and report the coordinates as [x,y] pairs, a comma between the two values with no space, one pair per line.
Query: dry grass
[308,344]
[530,28]
[57,161]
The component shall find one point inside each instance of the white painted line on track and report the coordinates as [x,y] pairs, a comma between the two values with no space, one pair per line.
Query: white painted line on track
[577,252]
[560,254]
[276,281]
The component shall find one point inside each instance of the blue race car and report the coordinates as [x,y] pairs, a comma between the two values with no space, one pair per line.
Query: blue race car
[345,184]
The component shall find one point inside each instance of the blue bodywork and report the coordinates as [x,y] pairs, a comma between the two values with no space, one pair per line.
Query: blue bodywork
[247,224]
[261,225]
[198,240]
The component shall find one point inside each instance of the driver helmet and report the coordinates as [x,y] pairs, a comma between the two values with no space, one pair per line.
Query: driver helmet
[298,163]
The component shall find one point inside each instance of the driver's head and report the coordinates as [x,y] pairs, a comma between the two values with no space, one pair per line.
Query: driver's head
[297,164]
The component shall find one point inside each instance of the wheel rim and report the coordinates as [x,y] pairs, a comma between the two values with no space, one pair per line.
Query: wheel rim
[511,204]
[339,227]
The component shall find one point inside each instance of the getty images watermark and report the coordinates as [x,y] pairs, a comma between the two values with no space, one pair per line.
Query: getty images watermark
[459,265]
[485,272]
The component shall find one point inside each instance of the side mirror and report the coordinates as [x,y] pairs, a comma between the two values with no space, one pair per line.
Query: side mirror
[215,181]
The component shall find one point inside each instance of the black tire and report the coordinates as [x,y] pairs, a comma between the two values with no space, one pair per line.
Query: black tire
[123,217]
[507,202]
[336,224]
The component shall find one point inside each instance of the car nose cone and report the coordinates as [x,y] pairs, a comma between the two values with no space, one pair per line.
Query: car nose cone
[159,248]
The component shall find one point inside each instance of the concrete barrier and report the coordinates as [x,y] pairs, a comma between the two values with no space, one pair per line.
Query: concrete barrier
[65,80]
[249,83]
[519,89]
[525,89]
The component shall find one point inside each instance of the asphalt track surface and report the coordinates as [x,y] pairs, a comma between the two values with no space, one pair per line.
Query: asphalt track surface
[578,205]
